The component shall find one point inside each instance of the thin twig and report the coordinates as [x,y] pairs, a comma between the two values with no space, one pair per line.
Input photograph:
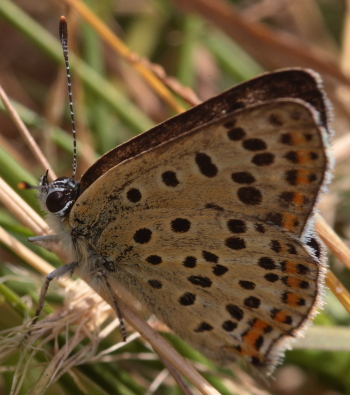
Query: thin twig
[338,289]
[332,241]
[341,148]
[24,213]
[119,47]
[27,255]
[26,134]
[179,380]
[160,345]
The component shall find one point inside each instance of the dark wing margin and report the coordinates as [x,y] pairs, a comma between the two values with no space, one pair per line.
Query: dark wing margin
[297,83]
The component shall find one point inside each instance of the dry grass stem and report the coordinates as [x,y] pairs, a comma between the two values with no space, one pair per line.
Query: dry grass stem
[162,376]
[160,345]
[26,134]
[26,254]
[120,48]
[345,53]
[177,377]
[283,49]
[85,312]
[127,356]
[311,29]
[340,250]
[341,148]
[185,93]
[332,241]
[104,356]
[338,289]
[22,211]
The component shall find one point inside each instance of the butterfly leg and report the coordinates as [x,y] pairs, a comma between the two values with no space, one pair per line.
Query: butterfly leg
[47,242]
[43,239]
[103,274]
[61,271]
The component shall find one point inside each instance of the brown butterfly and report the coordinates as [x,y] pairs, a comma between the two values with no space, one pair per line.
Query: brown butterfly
[207,218]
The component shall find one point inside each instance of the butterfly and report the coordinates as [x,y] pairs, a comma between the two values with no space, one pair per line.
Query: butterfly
[207,218]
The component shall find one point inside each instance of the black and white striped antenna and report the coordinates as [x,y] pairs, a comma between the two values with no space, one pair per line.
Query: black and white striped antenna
[63,30]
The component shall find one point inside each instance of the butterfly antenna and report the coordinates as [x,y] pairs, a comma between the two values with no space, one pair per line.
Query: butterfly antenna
[64,42]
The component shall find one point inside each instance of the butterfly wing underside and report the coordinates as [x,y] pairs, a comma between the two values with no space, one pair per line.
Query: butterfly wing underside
[211,229]
[296,83]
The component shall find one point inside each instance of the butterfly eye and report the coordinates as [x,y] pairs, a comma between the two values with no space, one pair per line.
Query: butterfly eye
[56,201]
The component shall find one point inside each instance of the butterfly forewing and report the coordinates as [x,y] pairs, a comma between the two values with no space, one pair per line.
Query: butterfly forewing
[209,229]
[296,83]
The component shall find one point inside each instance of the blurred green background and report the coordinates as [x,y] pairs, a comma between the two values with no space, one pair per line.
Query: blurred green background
[199,49]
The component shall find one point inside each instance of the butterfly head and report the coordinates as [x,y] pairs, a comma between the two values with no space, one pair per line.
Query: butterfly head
[59,196]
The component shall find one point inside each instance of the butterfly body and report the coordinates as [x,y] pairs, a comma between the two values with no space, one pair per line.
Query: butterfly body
[208,223]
